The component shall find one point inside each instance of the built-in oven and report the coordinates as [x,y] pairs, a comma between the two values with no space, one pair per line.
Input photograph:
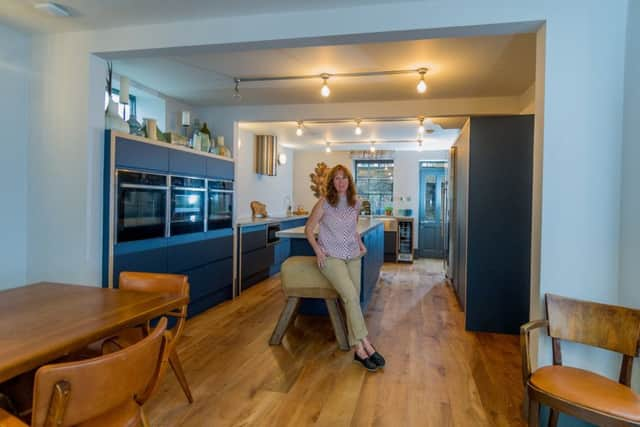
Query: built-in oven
[141,206]
[187,205]
[272,229]
[220,204]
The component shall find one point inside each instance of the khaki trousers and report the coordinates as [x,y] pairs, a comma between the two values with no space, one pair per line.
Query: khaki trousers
[344,275]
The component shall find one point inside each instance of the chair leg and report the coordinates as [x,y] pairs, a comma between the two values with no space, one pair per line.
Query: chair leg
[174,361]
[534,413]
[338,324]
[288,314]
[553,417]
[143,418]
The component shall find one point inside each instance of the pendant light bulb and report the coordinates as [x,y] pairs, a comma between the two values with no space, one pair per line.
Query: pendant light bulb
[236,91]
[358,130]
[419,145]
[327,149]
[422,85]
[421,127]
[372,148]
[325,91]
[299,131]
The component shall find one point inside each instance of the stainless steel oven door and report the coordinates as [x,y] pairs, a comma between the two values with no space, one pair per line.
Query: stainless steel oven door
[141,206]
[220,205]
[187,205]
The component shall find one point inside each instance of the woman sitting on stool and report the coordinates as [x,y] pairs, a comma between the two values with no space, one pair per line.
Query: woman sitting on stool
[339,250]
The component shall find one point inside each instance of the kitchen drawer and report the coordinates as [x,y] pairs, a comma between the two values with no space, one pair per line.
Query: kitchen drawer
[139,155]
[187,164]
[254,238]
[258,260]
[390,242]
[220,169]
[210,278]
[151,261]
[189,255]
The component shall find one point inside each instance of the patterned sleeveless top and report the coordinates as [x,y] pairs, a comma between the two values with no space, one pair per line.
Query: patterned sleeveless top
[338,225]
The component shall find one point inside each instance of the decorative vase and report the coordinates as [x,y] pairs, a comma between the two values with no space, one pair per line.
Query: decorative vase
[151,127]
[112,119]
[135,128]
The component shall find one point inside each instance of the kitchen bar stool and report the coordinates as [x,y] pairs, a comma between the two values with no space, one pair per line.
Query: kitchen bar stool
[301,278]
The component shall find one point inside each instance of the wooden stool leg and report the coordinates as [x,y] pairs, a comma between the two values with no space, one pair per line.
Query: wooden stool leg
[534,413]
[288,314]
[553,418]
[174,361]
[338,324]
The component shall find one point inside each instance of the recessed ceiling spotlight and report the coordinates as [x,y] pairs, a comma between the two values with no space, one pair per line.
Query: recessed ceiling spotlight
[422,85]
[299,131]
[325,91]
[358,130]
[53,9]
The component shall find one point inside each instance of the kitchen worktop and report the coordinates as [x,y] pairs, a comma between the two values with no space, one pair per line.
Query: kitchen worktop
[241,222]
[364,225]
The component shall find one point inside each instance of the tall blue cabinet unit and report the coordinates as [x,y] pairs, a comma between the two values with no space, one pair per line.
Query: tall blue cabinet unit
[206,257]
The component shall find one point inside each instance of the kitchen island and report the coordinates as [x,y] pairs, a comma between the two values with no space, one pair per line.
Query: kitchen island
[372,232]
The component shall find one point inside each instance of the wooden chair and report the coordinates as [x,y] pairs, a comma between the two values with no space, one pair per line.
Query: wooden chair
[156,282]
[578,392]
[105,391]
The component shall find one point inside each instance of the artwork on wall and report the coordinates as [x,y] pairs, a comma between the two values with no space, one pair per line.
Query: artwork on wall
[319,179]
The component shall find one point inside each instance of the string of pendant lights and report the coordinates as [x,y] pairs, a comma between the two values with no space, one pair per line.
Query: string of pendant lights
[325,90]
[422,129]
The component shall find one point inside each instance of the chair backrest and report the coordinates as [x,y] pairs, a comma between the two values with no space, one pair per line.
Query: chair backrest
[112,386]
[154,282]
[600,325]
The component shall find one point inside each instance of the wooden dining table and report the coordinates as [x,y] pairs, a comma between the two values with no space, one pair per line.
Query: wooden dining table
[42,322]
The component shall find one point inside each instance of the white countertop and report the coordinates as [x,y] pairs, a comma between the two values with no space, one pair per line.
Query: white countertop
[364,225]
[242,222]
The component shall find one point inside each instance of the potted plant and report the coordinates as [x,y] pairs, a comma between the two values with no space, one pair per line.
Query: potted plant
[388,210]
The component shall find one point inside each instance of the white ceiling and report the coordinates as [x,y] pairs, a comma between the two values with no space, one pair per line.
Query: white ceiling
[99,14]
[458,67]
[401,135]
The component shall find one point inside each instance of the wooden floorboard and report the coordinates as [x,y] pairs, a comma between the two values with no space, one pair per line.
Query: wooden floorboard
[437,374]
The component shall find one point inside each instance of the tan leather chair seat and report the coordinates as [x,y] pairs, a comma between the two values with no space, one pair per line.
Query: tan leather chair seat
[301,277]
[588,389]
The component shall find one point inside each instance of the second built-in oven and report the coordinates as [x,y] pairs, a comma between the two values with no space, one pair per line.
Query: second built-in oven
[220,204]
[187,205]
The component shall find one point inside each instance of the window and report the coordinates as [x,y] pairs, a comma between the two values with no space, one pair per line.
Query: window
[374,182]
[121,108]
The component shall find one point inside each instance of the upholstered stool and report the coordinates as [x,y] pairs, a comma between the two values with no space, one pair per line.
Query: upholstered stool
[301,278]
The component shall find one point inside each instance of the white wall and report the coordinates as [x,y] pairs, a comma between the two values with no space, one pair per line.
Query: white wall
[270,190]
[304,164]
[584,65]
[630,212]
[15,73]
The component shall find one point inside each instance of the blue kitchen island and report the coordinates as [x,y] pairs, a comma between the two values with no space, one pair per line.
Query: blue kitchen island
[372,232]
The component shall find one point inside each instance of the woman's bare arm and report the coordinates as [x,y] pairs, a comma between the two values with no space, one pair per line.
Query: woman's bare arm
[310,228]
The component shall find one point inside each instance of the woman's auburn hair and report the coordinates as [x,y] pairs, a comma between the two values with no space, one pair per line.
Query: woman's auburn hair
[331,194]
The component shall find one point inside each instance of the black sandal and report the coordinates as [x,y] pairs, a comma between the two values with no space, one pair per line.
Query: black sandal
[377,358]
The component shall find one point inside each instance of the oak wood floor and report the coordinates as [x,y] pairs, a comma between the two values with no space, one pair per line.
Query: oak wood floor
[437,374]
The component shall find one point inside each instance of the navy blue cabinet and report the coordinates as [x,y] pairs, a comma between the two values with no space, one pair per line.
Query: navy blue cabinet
[206,257]
[193,254]
[188,164]
[140,155]
[221,169]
